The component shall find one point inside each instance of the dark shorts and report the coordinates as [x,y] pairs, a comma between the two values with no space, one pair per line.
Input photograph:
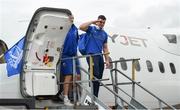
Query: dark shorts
[67,67]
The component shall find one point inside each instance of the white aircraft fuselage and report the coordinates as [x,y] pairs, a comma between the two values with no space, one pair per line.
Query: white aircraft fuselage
[158,65]
[148,46]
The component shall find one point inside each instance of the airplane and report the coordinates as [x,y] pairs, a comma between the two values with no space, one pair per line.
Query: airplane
[148,59]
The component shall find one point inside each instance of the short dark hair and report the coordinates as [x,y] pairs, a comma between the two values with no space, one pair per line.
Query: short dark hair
[102,17]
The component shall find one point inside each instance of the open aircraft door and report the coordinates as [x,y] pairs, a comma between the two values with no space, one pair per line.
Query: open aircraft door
[42,50]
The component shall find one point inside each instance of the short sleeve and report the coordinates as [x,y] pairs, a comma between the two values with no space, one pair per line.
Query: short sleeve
[90,29]
[106,37]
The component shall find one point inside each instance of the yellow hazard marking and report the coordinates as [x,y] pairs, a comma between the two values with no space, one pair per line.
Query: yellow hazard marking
[91,68]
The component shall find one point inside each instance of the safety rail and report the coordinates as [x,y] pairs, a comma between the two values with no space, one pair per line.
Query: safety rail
[95,98]
[114,93]
[116,88]
[75,81]
[91,72]
[128,105]
[93,78]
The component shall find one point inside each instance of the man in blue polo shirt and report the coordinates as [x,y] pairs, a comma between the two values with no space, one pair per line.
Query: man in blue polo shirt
[69,50]
[97,43]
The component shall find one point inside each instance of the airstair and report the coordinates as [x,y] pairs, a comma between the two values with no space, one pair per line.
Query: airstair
[129,102]
[122,98]
[135,85]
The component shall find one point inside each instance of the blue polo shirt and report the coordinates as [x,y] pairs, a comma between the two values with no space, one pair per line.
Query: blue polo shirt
[71,42]
[70,50]
[95,43]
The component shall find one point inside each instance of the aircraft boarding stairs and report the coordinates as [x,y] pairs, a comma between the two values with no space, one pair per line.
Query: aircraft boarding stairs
[130,102]
[133,103]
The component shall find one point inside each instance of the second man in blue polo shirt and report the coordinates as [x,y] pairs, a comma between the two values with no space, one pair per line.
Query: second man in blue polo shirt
[96,44]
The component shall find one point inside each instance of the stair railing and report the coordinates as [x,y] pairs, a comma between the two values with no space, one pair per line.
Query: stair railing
[116,88]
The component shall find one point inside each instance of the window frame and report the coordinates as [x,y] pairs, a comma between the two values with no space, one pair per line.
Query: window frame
[149,66]
[161,67]
[123,64]
[137,66]
[172,67]
[3,49]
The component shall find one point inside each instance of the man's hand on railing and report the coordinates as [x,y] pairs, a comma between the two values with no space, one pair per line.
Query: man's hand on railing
[108,65]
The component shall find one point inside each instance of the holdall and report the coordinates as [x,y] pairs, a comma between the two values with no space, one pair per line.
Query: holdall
[82,43]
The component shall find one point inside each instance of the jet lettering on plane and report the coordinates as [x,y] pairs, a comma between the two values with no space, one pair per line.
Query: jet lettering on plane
[127,40]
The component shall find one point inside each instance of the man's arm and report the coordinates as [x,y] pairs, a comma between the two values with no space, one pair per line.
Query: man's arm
[85,25]
[106,50]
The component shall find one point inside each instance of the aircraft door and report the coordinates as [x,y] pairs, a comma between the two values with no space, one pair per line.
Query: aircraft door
[43,44]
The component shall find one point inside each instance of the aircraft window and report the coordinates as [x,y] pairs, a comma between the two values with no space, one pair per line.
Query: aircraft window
[161,67]
[173,69]
[123,64]
[137,65]
[149,66]
[171,38]
[3,49]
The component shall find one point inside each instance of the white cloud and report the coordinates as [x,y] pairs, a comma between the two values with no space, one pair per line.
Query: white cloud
[16,14]
[154,13]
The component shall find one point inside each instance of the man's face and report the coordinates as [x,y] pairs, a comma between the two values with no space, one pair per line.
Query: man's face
[101,23]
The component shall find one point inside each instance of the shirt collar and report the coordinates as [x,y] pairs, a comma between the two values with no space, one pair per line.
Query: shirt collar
[98,28]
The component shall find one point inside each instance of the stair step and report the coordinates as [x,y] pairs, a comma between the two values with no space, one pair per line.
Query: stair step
[80,107]
[137,104]
[86,107]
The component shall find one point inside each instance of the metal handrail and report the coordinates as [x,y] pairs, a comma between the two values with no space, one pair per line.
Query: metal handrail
[132,106]
[83,81]
[84,56]
[99,80]
[130,96]
[143,88]
[74,70]
[102,104]
[116,70]
[116,88]
[126,60]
